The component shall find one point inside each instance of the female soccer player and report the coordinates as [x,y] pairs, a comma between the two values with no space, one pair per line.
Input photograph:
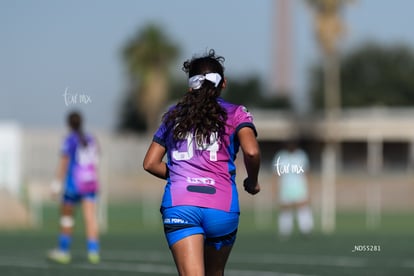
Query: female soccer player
[291,166]
[77,172]
[201,136]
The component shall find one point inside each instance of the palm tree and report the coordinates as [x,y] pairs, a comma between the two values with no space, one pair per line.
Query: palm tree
[148,56]
[328,30]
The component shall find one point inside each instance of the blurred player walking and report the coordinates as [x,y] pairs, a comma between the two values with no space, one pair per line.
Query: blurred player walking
[77,182]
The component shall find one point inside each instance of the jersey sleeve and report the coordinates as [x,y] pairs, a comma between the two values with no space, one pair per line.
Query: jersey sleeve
[243,118]
[67,147]
[160,135]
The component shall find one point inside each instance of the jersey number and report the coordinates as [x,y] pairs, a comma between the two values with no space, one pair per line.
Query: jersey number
[187,155]
[87,155]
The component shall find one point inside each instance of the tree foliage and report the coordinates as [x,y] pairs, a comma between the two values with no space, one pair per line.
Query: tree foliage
[372,75]
[147,57]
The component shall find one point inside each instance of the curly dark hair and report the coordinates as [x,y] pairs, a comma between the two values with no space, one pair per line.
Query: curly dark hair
[198,111]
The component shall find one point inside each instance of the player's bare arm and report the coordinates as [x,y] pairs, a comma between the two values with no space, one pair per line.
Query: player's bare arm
[62,168]
[153,161]
[251,155]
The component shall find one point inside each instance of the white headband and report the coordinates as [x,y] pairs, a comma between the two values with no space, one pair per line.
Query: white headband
[196,81]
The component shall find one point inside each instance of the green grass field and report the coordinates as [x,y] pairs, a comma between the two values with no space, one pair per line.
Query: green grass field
[130,248]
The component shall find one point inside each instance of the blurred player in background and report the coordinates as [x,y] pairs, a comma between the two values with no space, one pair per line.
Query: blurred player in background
[201,136]
[77,182]
[291,166]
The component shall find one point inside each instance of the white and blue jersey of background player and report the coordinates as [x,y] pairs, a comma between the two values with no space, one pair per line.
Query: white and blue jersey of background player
[81,180]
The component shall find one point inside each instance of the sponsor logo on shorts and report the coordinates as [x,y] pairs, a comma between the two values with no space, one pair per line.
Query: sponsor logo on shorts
[175,220]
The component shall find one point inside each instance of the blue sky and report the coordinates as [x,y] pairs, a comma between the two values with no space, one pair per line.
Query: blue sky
[52,46]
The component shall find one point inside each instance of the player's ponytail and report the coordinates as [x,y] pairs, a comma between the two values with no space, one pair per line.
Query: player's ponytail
[75,124]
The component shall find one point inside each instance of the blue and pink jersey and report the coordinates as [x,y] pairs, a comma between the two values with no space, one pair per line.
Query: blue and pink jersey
[82,175]
[204,175]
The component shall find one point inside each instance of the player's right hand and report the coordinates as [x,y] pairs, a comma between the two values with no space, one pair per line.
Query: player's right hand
[55,188]
[252,187]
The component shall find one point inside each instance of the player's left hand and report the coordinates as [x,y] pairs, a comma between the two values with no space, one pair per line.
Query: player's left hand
[252,187]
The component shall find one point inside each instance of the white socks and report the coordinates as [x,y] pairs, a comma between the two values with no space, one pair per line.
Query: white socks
[285,222]
[304,218]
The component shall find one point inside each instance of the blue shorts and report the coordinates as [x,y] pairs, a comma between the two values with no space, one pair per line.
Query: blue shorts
[72,199]
[218,227]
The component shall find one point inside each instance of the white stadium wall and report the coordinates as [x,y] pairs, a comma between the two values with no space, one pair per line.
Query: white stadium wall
[10,158]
